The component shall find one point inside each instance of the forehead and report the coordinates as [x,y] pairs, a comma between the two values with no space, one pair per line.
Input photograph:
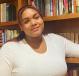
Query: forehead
[29,12]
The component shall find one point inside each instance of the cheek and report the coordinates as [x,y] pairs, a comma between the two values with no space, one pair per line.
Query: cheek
[26,30]
[41,22]
[25,27]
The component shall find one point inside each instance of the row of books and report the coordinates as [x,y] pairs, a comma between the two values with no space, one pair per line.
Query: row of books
[73,72]
[56,7]
[71,36]
[46,7]
[6,35]
[7,12]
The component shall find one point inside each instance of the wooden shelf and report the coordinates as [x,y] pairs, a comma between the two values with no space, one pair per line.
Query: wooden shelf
[10,23]
[62,17]
[72,60]
[7,1]
[49,18]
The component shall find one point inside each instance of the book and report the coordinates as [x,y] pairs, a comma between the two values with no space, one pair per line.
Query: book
[11,12]
[47,7]
[77,6]
[3,12]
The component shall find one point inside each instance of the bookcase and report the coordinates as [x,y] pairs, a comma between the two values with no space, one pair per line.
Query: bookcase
[57,24]
[8,18]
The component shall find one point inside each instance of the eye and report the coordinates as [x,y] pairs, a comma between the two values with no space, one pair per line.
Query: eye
[26,21]
[37,16]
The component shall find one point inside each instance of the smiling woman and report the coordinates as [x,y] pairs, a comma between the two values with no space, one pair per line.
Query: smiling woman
[35,54]
[32,23]
[27,22]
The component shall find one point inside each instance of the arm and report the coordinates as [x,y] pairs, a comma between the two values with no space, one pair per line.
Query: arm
[72,49]
[5,61]
[5,69]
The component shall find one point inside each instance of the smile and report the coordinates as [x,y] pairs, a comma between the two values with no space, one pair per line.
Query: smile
[35,29]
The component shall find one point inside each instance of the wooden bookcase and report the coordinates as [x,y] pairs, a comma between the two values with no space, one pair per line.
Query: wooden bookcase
[64,23]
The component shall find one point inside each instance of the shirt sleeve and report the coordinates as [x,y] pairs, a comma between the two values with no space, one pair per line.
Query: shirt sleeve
[72,49]
[5,69]
[5,61]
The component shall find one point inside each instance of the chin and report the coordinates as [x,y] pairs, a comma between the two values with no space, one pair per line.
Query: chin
[37,35]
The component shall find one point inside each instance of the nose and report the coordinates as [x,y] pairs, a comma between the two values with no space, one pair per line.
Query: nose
[33,22]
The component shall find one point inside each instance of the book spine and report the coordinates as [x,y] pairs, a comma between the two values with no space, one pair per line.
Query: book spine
[3,12]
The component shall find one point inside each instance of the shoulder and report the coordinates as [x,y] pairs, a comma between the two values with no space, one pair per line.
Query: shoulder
[8,47]
[7,52]
[12,47]
[54,36]
[9,44]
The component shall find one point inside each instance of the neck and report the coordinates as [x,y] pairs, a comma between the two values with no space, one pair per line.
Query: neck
[37,43]
[33,39]
[34,42]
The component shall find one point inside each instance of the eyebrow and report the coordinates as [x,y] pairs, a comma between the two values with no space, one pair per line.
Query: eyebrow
[26,18]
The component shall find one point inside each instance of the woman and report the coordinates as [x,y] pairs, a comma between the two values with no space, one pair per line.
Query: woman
[35,54]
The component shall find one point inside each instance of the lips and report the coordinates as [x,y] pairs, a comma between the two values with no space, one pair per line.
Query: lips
[34,29]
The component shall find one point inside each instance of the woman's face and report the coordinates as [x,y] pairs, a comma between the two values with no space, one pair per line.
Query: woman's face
[32,23]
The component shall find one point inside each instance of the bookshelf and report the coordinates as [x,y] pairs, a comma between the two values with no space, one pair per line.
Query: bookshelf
[9,23]
[61,23]
[62,17]
[8,26]
[72,60]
